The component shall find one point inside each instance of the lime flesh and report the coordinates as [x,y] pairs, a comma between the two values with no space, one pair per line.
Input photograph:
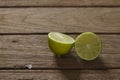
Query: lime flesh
[60,43]
[88,46]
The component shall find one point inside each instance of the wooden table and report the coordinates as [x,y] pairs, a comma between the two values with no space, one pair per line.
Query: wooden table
[24,25]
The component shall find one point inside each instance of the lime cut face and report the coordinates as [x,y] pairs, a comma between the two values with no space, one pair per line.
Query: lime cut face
[88,46]
[61,38]
[60,43]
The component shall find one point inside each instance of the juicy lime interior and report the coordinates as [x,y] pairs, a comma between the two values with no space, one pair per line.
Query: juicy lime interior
[60,37]
[88,45]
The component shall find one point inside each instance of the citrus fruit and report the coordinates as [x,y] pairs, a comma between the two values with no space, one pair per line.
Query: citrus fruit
[60,43]
[88,46]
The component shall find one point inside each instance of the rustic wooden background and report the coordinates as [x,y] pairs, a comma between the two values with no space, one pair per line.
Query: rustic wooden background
[24,25]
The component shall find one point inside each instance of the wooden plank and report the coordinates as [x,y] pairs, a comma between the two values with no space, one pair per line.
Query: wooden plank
[69,20]
[60,74]
[59,3]
[19,50]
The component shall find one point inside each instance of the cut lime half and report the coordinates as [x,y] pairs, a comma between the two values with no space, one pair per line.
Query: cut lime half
[60,43]
[88,46]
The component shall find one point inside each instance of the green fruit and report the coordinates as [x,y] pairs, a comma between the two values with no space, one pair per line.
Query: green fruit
[88,46]
[60,43]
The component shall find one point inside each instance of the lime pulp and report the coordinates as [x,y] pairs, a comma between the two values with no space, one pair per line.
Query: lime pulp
[88,46]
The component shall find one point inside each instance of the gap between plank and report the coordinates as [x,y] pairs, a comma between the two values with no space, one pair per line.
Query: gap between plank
[83,6]
[47,33]
[58,68]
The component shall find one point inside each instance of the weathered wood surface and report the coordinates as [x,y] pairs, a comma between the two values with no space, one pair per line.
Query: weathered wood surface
[59,3]
[68,20]
[24,25]
[60,74]
[18,50]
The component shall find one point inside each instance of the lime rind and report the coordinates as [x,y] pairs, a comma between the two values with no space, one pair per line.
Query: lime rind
[100,47]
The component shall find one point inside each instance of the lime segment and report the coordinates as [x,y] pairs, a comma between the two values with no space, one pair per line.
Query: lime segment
[88,46]
[60,43]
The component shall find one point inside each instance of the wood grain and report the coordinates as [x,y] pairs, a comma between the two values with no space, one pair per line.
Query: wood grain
[19,50]
[60,74]
[59,3]
[68,20]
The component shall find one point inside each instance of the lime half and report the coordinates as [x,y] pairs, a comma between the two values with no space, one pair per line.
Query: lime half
[60,43]
[88,46]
